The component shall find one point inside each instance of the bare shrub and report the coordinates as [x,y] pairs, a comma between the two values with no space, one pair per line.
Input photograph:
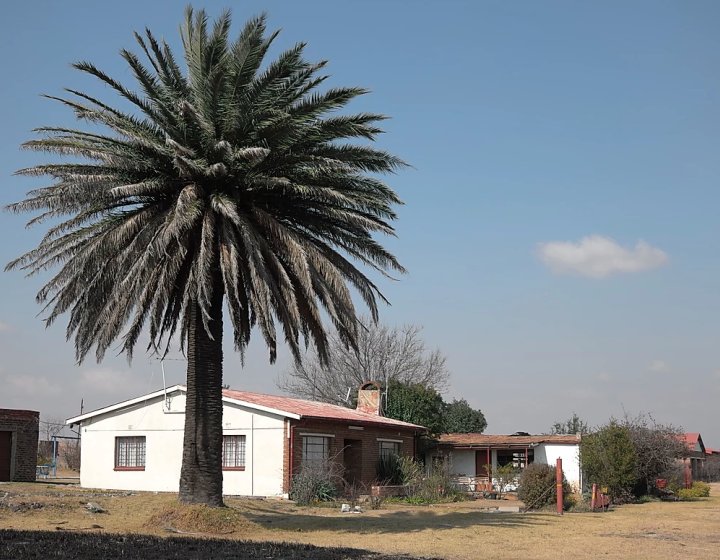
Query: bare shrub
[538,487]
[71,455]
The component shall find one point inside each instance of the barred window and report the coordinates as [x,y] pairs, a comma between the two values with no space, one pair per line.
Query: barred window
[316,450]
[130,453]
[233,453]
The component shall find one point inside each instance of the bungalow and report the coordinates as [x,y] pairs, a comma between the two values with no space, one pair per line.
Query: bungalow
[695,455]
[470,454]
[137,444]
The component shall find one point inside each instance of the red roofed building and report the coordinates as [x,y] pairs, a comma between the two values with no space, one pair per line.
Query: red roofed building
[696,454]
[471,454]
[137,444]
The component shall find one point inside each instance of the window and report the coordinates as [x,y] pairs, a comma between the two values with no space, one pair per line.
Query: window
[130,453]
[315,451]
[388,448]
[233,453]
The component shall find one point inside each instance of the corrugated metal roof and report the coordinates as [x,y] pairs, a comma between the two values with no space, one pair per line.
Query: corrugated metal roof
[462,440]
[312,409]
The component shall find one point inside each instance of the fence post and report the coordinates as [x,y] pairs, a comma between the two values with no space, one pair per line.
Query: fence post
[559,485]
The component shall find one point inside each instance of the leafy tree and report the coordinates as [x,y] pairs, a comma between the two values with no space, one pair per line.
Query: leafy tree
[573,425]
[226,185]
[461,418]
[417,404]
[382,354]
[608,458]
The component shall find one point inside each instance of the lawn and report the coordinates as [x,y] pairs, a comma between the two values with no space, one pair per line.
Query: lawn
[150,525]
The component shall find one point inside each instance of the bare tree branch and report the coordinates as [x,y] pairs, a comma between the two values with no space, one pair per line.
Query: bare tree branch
[383,354]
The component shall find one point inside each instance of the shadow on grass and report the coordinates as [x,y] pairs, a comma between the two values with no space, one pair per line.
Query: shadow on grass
[65,545]
[388,522]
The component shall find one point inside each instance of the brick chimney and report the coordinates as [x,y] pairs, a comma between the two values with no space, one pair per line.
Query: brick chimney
[369,398]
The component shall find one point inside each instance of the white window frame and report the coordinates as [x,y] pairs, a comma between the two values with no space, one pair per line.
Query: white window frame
[130,453]
[234,452]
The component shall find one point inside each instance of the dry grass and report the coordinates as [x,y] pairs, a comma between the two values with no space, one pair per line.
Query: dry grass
[455,531]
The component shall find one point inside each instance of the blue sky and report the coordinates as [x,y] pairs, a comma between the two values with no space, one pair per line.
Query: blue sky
[560,225]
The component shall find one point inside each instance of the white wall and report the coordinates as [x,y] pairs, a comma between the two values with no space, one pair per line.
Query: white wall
[570,454]
[163,431]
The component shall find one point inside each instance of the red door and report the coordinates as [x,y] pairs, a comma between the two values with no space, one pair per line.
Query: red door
[5,449]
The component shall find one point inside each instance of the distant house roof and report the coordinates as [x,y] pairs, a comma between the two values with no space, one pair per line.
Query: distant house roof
[487,440]
[694,442]
[282,406]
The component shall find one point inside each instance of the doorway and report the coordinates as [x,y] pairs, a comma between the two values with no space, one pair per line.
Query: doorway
[352,461]
[5,455]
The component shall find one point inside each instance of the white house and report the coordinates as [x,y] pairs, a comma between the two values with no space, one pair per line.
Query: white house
[470,454]
[137,444]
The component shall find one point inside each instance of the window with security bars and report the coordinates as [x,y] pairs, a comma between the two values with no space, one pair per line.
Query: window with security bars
[130,453]
[316,450]
[388,448]
[233,453]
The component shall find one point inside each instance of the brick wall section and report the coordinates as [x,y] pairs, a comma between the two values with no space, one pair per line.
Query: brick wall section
[368,436]
[24,425]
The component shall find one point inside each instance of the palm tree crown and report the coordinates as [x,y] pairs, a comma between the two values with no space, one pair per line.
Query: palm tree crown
[228,179]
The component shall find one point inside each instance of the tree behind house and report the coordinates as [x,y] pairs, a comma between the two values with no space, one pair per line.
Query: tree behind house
[383,354]
[461,418]
[573,425]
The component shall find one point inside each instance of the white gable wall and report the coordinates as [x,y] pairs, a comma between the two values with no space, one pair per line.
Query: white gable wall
[548,453]
[163,428]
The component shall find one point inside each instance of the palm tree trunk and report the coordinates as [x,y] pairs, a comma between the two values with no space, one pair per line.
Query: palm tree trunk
[201,475]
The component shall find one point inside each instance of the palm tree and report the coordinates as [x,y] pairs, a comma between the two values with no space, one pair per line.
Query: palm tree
[227,185]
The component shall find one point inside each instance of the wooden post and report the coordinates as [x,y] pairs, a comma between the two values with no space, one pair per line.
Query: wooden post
[559,485]
[593,498]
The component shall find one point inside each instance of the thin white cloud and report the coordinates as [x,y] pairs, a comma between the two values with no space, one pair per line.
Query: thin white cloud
[659,366]
[25,385]
[597,256]
[106,380]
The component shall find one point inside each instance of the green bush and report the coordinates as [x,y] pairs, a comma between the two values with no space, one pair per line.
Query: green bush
[537,487]
[698,490]
[608,458]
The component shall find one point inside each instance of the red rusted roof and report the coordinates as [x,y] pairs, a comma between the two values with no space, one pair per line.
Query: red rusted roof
[312,409]
[487,440]
[693,440]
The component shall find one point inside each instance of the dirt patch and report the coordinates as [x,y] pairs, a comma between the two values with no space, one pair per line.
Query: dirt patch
[199,519]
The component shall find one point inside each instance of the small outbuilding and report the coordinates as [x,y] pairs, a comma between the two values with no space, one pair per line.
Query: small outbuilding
[18,444]
[476,456]
[137,444]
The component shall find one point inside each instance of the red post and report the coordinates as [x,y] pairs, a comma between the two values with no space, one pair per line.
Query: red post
[559,485]
[593,497]
[688,476]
